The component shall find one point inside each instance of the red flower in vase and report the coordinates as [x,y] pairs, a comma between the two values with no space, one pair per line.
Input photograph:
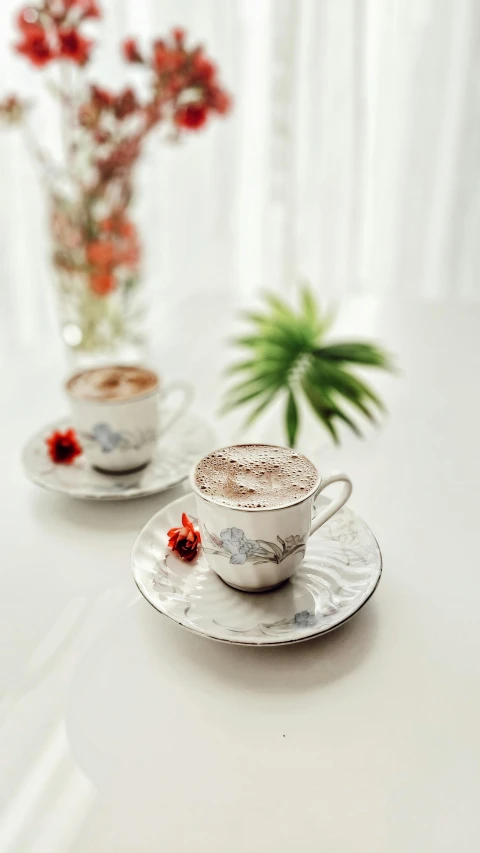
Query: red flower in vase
[125,239]
[179,35]
[49,32]
[88,8]
[219,100]
[102,283]
[101,98]
[27,20]
[73,46]
[125,104]
[167,59]
[130,51]
[129,254]
[116,245]
[35,45]
[101,253]
[83,9]
[63,447]
[117,224]
[184,540]
[203,69]
[191,116]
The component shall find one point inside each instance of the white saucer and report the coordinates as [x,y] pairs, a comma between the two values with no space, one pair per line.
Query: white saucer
[177,452]
[340,572]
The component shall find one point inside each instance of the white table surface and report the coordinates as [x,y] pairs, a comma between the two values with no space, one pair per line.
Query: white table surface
[120,732]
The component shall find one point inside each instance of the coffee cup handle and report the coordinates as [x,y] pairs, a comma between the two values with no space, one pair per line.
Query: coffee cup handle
[334,505]
[187,397]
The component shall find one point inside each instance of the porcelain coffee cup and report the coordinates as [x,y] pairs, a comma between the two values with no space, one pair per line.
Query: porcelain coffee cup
[256,549]
[120,436]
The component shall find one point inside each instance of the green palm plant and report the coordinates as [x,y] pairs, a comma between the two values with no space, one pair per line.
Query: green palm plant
[286,354]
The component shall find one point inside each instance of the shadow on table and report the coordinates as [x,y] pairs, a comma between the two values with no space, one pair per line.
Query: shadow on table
[300,666]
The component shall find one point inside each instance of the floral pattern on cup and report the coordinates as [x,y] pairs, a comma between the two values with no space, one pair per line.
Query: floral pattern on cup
[110,439]
[234,544]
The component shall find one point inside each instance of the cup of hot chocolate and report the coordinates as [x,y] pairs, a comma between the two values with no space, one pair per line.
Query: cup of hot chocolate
[255,506]
[118,412]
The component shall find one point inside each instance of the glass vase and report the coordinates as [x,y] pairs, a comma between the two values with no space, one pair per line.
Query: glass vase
[96,257]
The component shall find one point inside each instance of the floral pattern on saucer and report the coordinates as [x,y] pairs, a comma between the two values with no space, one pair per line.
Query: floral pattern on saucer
[340,571]
[303,619]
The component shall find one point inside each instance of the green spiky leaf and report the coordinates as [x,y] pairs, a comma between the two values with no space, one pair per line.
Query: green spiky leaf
[291,418]
[257,411]
[322,406]
[286,350]
[355,353]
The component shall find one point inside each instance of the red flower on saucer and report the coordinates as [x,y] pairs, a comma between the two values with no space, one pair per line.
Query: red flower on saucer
[63,447]
[184,540]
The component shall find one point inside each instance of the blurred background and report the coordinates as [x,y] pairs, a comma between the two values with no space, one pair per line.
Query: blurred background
[351,158]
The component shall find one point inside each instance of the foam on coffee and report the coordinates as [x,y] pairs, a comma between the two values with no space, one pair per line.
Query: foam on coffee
[112,383]
[252,476]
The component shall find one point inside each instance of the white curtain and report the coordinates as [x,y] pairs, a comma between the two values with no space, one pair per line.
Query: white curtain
[352,157]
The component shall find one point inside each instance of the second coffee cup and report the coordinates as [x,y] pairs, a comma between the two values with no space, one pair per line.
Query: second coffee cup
[118,412]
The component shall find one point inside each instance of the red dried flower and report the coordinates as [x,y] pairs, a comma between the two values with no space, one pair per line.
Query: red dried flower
[184,540]
[102,283]
[101,253]
[102,98]
[203,68]
[63,447]
[73,46]
[179,35]
[118,246]
[27,19]
[166,59]
[219,100]
[130,51]
[175,84]
[129,253]
[160,54]
[118,223]
[89,8]
[125,104]
[124,234]
[35,45]
[191,116]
